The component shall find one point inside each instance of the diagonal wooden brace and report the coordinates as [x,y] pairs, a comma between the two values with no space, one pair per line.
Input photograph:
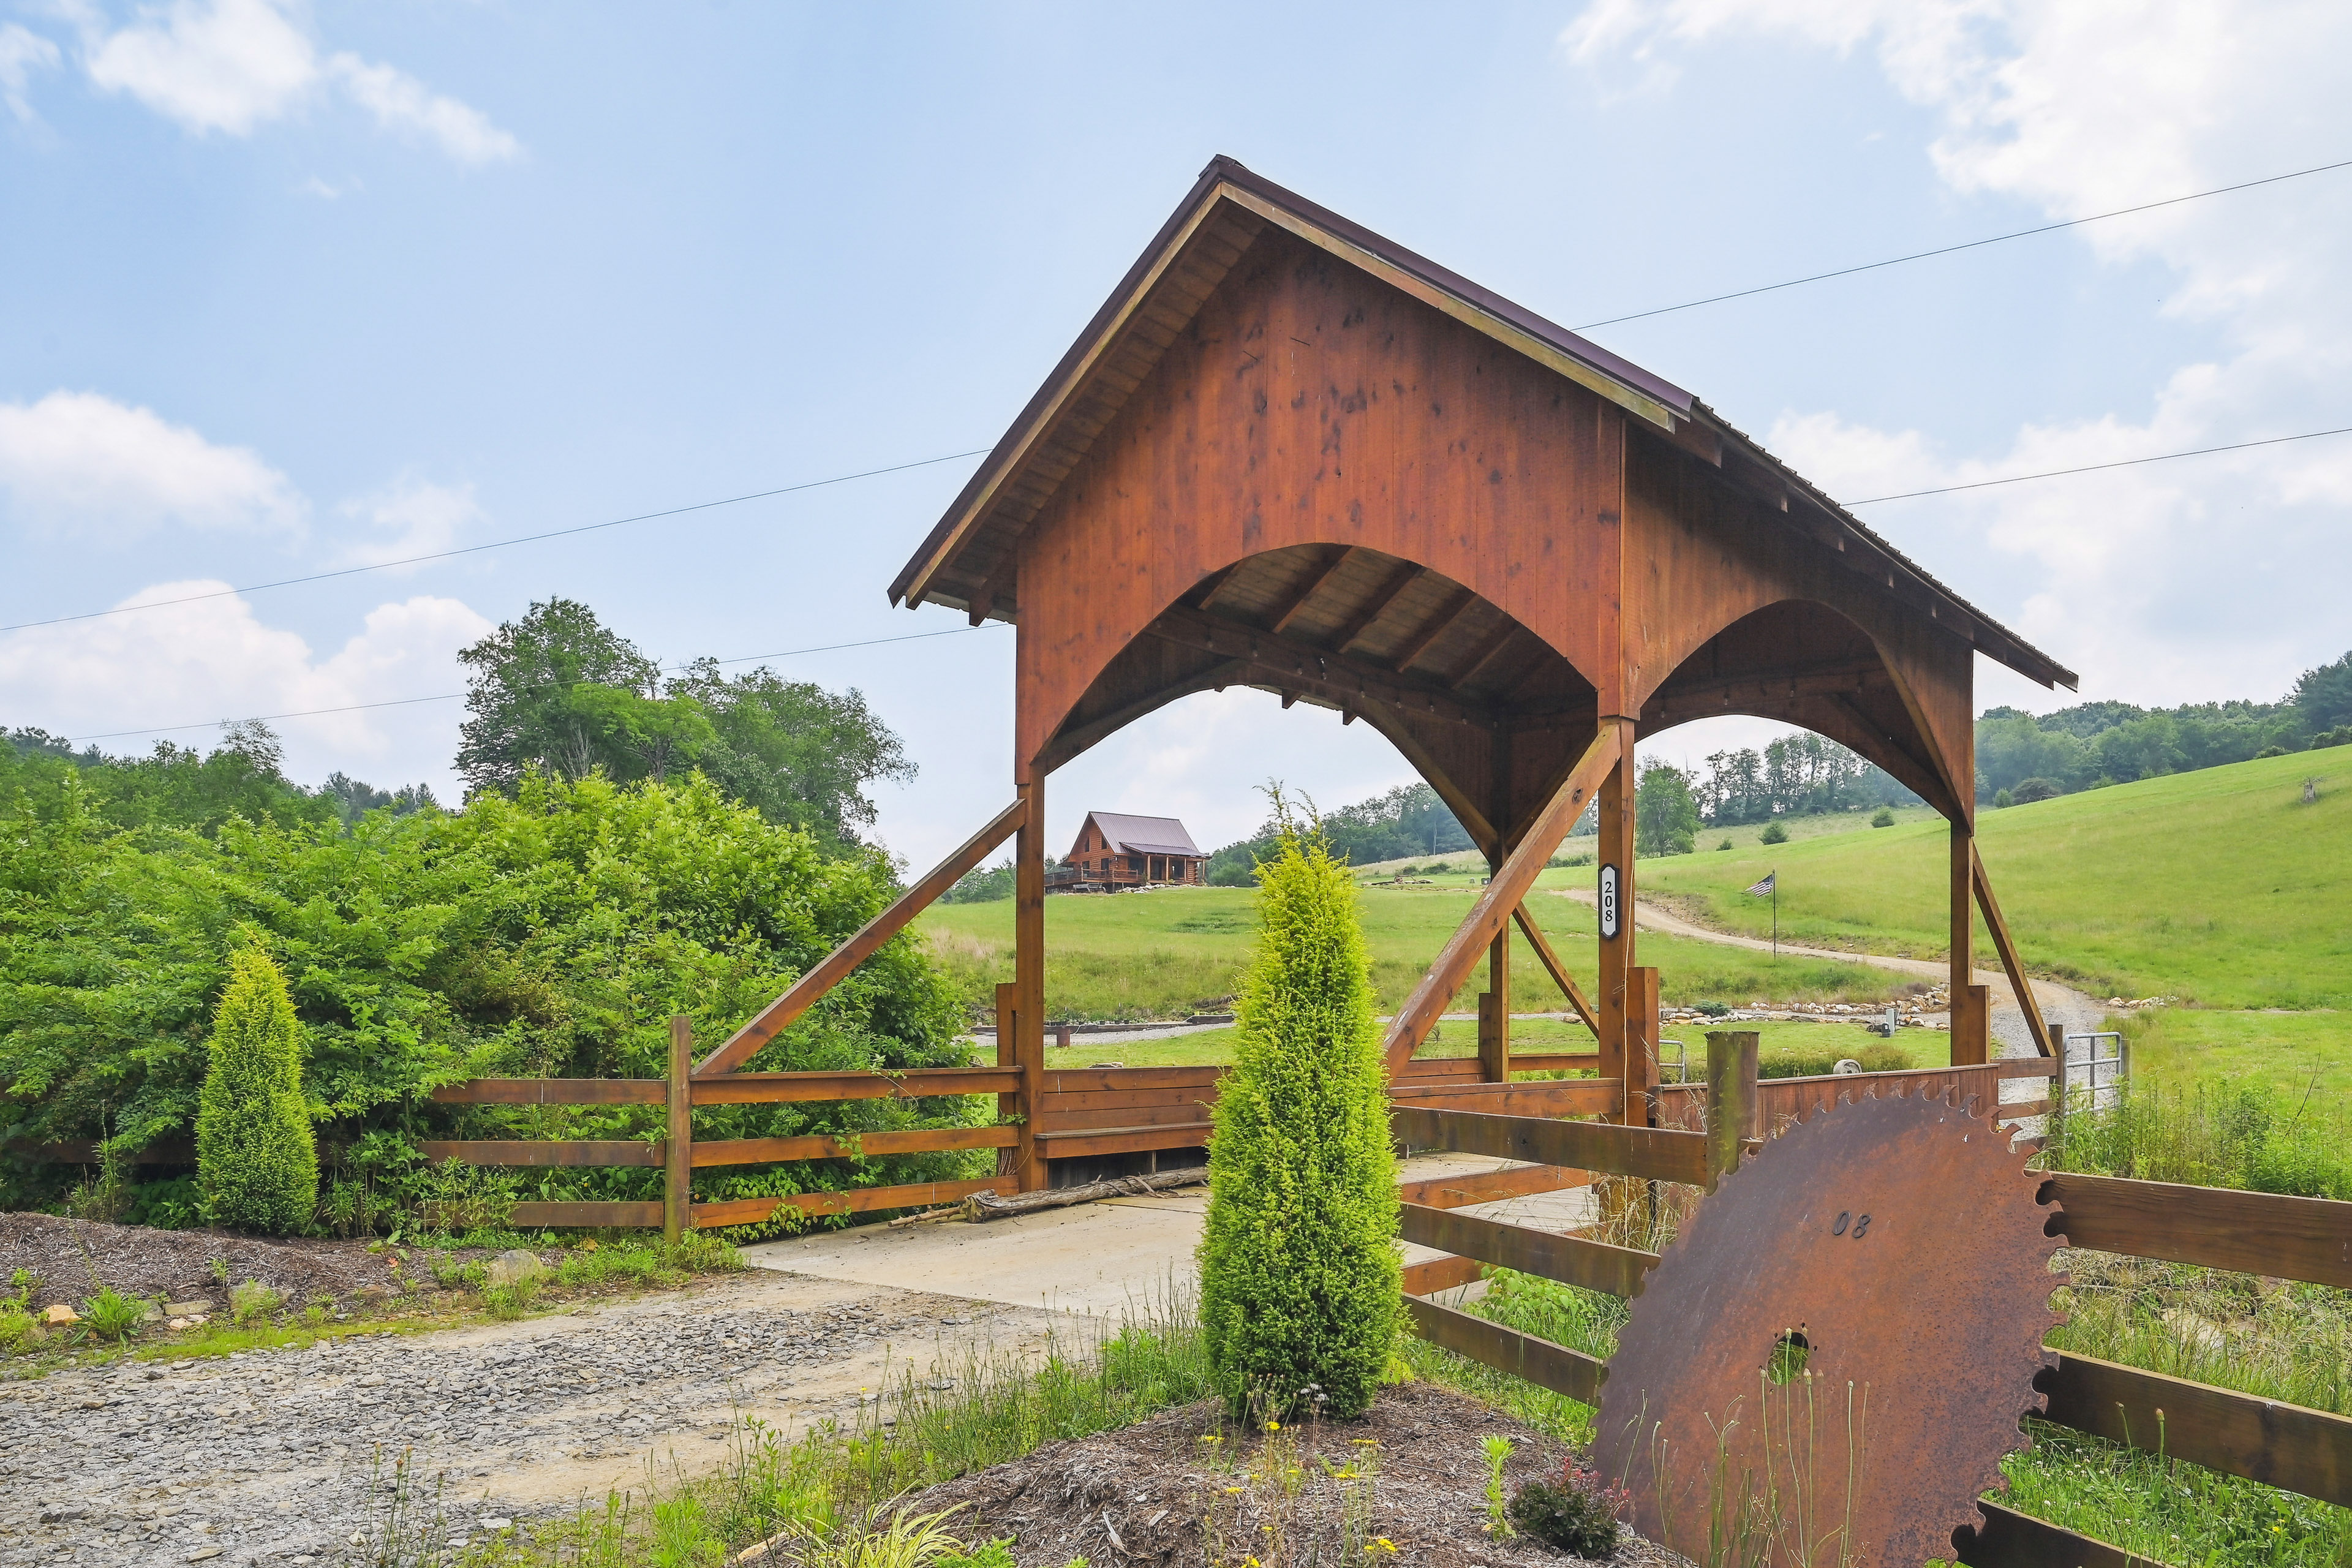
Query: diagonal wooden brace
[2034,1021]
[828,971]
[1556,969]
[1491,915]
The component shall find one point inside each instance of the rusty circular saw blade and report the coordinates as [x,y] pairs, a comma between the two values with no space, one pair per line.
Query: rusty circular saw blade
[1924,1320]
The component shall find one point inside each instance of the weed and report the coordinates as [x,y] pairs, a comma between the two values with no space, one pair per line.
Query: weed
[219,1266]
[507,1302]
[252,1300]
[112,1315]
[1497,1450]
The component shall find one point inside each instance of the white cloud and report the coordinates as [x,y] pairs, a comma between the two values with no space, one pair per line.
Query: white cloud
[212,660]
[226,66]
[20,51]
[413,518]
[78,462]
[400,102]
[2188,581]
[233,65]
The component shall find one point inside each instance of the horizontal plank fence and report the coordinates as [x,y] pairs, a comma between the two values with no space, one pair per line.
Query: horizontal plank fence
[1082,1112]
[2285,1445]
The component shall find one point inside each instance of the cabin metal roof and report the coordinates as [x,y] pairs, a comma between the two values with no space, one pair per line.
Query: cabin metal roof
[1143,835]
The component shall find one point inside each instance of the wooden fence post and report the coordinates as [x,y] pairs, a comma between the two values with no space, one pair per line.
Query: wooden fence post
[1641,1033]
[1733,1103]
[677,1170]
[1494,1038]
[1013,1161]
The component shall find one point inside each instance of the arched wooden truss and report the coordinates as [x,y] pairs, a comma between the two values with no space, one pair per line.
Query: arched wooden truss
[1291,455]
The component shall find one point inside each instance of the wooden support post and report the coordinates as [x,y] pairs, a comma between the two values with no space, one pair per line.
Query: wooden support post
[677,1168]
[1641,1047]
[1495,1003]
[1010,1162]
[1972,1021]
[1970,1042]
[1614,853]
[1029,974]
[1734,1107]
[1494,1038]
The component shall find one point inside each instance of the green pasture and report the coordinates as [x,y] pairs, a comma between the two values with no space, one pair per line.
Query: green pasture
[1459,1037]
[2295,1053]
[2217,886]
[1166,953]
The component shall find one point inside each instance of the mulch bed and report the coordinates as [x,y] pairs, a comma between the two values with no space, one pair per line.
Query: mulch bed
[64,1255]
[1155,1494]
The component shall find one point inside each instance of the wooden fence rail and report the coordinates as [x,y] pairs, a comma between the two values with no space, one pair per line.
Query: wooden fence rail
[1081,1113]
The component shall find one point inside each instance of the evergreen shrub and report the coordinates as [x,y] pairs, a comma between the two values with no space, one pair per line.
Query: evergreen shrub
[1300,1271]
[256,1161]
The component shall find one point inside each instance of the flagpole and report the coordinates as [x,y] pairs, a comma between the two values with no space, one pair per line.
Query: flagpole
[1776,912]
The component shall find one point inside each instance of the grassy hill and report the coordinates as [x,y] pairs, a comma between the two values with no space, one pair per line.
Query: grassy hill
[2217,886]
[1161,955]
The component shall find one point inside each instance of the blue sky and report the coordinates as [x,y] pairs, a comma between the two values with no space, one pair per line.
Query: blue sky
[290,289]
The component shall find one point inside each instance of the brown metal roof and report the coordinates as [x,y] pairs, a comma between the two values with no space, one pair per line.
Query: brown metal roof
[1143,835]
[1257,200]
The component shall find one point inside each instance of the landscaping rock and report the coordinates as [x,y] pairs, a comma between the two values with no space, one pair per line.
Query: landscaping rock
[59,1316]
[514,1267]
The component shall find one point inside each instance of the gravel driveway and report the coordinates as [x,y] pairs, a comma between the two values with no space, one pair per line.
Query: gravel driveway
[268,1456]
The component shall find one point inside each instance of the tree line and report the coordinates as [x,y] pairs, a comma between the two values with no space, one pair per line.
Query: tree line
[630,847]
[2094,744]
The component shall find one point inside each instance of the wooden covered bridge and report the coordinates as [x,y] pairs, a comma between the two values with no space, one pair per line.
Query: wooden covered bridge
[1289,453]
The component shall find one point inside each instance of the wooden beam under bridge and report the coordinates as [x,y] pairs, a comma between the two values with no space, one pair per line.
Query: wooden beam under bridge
[1490,917]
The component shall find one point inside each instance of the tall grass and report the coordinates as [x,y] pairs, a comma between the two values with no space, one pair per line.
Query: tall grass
[2242,1135]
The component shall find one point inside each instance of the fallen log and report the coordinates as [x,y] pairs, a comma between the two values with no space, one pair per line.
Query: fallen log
[988,1206]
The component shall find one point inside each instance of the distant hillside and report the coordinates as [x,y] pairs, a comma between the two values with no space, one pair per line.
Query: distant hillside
[2219,886]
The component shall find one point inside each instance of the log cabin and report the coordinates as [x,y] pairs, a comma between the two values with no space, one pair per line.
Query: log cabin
[1114,851]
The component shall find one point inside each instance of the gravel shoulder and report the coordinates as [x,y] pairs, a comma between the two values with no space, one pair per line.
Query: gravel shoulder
[271,1456]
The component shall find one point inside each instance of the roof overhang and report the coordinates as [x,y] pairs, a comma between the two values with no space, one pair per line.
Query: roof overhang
[1230,198]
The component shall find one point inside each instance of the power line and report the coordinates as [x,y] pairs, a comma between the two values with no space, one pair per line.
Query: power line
[1970,245]
[498,545]
[453,695]
[2094,467]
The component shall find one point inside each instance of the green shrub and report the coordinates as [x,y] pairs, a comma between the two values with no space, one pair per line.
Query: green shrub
[1576,1513]
[255,1158]
[1774,833]
[1299,1265]
[1882,817]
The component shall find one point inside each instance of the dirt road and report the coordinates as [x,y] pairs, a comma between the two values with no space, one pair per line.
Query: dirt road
[268,1456]
[2075,1011]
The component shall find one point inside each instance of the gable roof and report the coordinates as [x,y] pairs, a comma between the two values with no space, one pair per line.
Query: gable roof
[967,559]
[1142,835]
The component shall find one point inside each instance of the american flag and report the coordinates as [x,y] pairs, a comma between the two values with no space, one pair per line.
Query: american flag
[1764,887]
